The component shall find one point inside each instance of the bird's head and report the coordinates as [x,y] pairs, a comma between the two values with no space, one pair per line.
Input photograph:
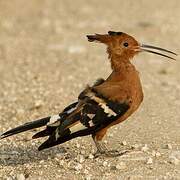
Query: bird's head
[124,47]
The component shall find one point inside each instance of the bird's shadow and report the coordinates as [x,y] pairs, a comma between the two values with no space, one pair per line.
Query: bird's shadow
[13,155]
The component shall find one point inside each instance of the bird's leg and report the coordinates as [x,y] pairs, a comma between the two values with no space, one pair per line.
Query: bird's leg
[101,147]
[103,150]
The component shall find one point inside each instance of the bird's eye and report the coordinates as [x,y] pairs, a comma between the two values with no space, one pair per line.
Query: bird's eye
[125,44]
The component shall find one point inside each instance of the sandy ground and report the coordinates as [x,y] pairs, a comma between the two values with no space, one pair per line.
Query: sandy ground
[45,61]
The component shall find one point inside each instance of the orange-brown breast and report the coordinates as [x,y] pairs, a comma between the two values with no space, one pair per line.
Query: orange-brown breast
[123,87]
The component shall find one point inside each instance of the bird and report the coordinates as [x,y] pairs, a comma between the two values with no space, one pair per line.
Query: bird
[106,103]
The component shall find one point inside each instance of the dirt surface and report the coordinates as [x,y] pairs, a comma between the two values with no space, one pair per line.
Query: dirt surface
[45,61]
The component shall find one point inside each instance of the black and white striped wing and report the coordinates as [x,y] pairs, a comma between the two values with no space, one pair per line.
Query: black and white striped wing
[96,113]
[92,113]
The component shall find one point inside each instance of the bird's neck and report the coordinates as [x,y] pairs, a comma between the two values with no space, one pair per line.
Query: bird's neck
[123,70]
[121,65]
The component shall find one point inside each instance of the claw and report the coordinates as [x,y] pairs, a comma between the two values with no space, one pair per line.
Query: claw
[115,153]
[111,153]
[102,150]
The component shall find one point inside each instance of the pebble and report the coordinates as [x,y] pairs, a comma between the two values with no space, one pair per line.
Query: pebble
[153,153]
[149,161]
[78,145]
[41,162]
[174,157]
[156,154]
[61,162]
[9,178]
[91,156]
[38,104]
[78,167]
[88,177]
[83,152]
[124,143]
[135,146]
[105,163]
[175,154]
[174,160]
[15,153]
[121,166]
[168,146]
[80,159]
[145,148]
[86,171]
[20,177]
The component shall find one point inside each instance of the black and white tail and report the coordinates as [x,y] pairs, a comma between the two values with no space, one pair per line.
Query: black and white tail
[50,123]
[25,127]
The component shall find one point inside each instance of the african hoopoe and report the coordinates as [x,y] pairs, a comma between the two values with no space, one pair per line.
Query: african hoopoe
[106,103]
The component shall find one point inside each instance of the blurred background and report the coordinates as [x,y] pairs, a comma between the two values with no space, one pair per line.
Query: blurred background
[46,60]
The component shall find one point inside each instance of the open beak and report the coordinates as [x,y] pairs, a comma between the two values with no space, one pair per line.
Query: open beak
[154,50]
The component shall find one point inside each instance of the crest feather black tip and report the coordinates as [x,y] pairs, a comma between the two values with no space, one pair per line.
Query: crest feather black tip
[113,33]
[92,38]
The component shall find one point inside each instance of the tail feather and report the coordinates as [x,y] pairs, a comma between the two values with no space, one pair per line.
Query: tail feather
[46,132]
[52,142]
[42,133]
[65,136]
[25,127]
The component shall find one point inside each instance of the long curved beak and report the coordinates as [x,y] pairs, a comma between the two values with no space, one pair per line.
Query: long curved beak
[154,50]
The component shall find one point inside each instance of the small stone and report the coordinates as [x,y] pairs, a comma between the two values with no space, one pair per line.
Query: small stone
[91,156]
[14,152]
[38,104]
[174,157]
[121,166]
[86,171]
[61,162]
[9,178]
[83,152]
[174,160]
[105,163]
[169,146]
[135,146]
[149,161]
[41,162]
[78,145]
[156,154]
[176,154]
[124,143]
[153,153]
[78,167]
[20,177]
[80,159]
[88,177]
[145,148]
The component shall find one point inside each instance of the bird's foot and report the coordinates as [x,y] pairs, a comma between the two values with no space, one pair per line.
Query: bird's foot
[102,150]
[110,153]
